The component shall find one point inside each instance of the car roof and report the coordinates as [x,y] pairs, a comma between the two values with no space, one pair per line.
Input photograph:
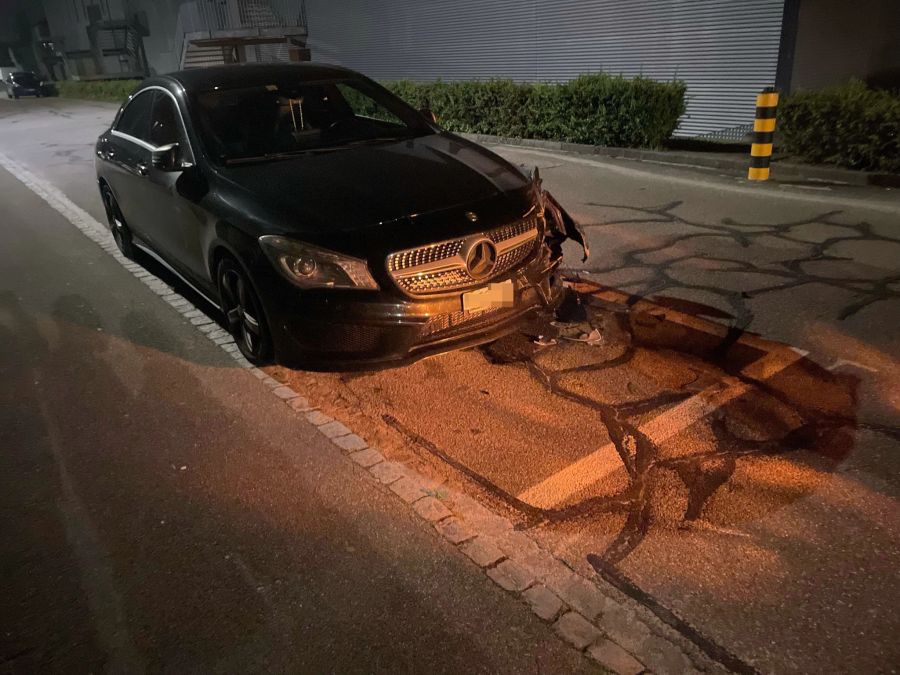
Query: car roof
[250,74]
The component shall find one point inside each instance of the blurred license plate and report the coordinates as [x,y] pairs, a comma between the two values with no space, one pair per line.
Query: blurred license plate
[491,296]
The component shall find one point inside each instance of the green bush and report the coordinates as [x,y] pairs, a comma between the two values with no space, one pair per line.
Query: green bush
[850,125]
[115,91]
[593,109]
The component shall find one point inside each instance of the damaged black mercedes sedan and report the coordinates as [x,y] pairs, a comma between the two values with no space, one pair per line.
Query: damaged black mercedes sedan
[335,226]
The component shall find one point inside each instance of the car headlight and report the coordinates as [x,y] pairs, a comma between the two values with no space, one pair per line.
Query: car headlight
[308,266]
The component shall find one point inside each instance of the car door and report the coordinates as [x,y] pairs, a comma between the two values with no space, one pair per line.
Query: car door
[180,225]
[128,155]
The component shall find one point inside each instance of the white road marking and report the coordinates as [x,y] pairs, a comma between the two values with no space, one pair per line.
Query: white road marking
[853,364]
[578,476]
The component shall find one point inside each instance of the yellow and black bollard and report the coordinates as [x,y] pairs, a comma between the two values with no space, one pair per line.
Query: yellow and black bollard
[763,134]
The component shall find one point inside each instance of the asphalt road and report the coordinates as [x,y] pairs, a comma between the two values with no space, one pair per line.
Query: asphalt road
[750,490]
[161,512]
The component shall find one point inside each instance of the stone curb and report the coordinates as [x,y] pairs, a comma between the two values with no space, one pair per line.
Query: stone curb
[784,170]
[603,624]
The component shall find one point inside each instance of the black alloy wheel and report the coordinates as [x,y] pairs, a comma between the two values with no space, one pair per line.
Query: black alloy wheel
[243,313]
[117,225]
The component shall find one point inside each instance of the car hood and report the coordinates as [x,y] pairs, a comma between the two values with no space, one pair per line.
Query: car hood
[366,185]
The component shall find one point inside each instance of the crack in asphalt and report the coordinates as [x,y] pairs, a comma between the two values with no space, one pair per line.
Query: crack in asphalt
[791,271]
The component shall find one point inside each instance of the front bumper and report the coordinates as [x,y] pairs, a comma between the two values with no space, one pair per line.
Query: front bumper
[335,330]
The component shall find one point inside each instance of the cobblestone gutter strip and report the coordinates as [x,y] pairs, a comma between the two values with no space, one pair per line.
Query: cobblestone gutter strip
[595,618]
[781,169]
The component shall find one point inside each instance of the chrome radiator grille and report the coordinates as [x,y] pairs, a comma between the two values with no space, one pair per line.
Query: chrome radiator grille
[444,325]
[441,267]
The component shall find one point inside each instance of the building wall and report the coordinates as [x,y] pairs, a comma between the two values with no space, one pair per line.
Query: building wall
[725,50]
[162,44]
[838,40]
[68,19]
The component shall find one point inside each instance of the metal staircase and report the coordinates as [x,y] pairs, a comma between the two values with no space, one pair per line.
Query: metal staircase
[262,14]
[216,32]
[198,56]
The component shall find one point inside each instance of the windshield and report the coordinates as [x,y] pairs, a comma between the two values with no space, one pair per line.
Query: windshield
[269,121]
[27,79]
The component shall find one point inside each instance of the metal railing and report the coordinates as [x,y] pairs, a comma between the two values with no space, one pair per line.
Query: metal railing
[215,15]
[212,16]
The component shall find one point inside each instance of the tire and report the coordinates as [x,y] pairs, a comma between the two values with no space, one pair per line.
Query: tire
[243,312]
[117,224]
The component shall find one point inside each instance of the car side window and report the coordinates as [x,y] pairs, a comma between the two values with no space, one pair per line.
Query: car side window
[135,119]
[365,106]
[165,127]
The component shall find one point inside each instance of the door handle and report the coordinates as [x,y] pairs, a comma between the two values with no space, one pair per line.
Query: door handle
[142,169]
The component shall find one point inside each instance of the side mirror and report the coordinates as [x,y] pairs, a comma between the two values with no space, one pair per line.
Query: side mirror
[165,157]
[429,115]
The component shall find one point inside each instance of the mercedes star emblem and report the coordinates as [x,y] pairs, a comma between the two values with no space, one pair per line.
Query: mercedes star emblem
[481,259]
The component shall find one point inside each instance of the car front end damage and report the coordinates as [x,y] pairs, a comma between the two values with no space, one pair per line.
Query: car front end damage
[438,303]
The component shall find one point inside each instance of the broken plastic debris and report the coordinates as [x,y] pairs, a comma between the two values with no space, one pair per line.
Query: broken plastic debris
[595,337]
[544,341]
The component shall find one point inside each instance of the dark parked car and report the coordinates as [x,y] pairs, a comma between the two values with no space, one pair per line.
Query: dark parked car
[334,225]
[23,84]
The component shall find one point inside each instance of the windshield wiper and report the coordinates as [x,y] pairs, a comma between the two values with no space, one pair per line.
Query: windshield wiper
[376,139]
[274,156]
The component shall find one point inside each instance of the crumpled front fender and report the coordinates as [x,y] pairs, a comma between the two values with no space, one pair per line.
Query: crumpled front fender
[558,219]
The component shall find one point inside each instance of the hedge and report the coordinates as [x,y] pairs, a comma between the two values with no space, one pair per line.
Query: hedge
[115,91]
[849,125]
[593,109]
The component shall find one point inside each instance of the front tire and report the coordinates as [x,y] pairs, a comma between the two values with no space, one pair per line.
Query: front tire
[243,313]
[117,224]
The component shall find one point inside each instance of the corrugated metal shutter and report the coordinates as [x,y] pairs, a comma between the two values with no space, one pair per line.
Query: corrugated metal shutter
[726,50]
